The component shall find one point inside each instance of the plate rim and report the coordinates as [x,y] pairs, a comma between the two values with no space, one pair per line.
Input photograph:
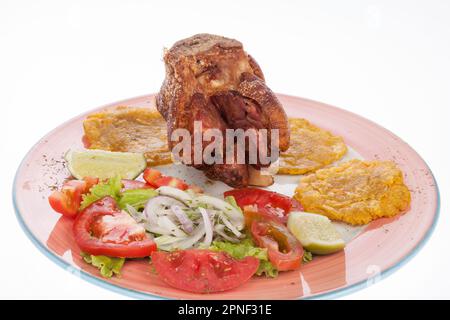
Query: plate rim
[332,294]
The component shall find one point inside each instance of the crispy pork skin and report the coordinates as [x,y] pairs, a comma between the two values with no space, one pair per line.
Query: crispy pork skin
[212,79]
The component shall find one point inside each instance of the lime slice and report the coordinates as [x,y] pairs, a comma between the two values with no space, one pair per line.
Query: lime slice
[315,232]
[105,164]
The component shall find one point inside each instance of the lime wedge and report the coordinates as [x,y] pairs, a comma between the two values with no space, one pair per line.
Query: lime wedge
[315,232]
[105,164]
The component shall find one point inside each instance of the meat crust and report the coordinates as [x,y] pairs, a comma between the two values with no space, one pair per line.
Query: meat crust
[211,78]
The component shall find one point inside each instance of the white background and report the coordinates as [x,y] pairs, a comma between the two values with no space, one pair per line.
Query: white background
[385,60]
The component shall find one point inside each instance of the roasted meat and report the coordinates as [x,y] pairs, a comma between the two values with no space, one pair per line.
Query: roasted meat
[212,79]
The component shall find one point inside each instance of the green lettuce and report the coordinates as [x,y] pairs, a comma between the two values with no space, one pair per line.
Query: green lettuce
[110,188]
[246,248]
[108,266]
[136,198]
[267,268]
[307,256]
[231,200]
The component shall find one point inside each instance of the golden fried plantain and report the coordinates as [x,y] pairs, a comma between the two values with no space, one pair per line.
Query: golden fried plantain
[311,148]
[355,192]
[129,129]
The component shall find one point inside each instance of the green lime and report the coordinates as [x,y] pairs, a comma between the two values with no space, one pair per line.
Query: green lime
[315,232]
[105,164]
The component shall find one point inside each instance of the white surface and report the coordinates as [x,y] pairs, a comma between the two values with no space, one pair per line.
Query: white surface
[385,60]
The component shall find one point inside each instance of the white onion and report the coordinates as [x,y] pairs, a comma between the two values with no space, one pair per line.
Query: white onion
[165,223]
[230,211]
[186,223]
[136,215]
[193,239]
[156,229]
[208,226]
[176,194]
[220,230]
[155,205]
[165,215]
[166,243]
[229,225]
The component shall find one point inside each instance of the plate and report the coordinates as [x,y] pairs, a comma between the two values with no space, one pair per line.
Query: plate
[372,252]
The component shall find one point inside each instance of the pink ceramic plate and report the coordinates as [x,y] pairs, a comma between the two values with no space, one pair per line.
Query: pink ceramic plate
[381,248]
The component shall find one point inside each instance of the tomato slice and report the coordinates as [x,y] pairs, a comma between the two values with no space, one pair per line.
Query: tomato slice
[150,175]
[67,200]
[103,229]
[134,184]
[203,271]
[156,179]
[171,182]
[271,205]
[283,249]
[90,182]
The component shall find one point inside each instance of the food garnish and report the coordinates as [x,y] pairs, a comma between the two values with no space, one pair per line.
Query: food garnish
[156,179]
[355,192]
[183,220]
[105,164]
[284,250]
[103,229]
[68,199]
[307,256]
[136,198]
[112,188]
[315,232]
[203,271]
[271,205]
[247,248]
[108,266]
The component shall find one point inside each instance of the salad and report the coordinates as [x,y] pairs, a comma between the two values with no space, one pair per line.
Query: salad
[195,242]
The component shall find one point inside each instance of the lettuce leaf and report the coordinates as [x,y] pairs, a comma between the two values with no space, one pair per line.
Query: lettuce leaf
[108,266]
[136,198]
[307,256]
[231,200]
[267,268]
[110,188]
[246,248]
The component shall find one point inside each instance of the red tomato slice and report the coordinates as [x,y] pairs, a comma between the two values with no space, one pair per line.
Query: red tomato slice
[283,249]
[203,271]
[103,229]
[271,205]
[67,200]
[150,175]
[156,179]
[134,184]
[90,182]
[171,182]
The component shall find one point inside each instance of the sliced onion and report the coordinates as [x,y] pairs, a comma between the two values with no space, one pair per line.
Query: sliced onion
[136,215]
[208,226]
[175,193]
[229,225]
[165,223]
[186,223]
[193,239]
[156,205]
[232,213]
[156,229]
[220,230]
[166,243]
